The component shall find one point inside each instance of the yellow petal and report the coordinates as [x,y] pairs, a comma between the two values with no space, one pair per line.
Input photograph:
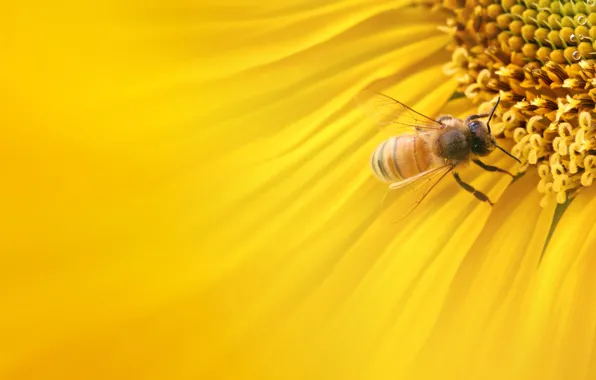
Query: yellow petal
[163,208]
[561,315]
[266,34]
[482,310]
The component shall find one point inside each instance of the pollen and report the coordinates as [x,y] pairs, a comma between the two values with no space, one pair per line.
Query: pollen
[539,57]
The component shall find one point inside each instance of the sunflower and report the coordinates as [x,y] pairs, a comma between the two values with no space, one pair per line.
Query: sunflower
[187,193]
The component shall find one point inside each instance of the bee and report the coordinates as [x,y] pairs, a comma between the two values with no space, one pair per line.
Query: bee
[433,148]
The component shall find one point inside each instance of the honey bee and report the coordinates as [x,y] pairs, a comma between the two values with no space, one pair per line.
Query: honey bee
[433,148]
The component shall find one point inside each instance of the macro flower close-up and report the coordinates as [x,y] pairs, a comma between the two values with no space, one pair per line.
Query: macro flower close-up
[191,190]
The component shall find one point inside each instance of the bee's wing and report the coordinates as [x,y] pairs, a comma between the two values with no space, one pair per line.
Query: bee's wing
[413,190]
[386,110]
[427,175]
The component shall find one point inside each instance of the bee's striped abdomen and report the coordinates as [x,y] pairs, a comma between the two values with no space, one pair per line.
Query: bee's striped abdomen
[383,161]
[401,157]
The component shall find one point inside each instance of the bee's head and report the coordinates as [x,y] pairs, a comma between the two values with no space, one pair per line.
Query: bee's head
[482,142]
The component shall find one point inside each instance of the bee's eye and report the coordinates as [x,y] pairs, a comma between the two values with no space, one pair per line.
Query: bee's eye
[475,126]
[481,137]
[478,129]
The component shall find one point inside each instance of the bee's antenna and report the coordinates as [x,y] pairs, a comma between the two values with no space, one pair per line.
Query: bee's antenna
[490,116]
[507,153]
[491,113]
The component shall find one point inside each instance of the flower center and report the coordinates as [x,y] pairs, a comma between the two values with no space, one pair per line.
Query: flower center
[538,56]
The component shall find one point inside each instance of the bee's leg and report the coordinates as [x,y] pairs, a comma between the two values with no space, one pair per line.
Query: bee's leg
[490,168]
[479,195]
